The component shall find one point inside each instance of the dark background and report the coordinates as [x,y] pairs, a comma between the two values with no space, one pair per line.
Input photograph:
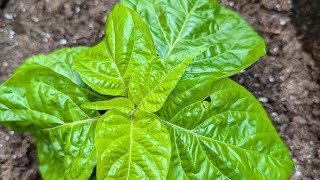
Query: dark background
[286,81]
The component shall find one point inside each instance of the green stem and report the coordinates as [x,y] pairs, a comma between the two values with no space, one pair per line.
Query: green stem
[73,123]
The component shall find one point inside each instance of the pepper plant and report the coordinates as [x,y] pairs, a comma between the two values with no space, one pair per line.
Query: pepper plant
[152,100]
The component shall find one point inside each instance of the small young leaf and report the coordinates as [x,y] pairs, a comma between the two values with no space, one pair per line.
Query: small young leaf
[151,83]
[230,138]
[41,101]
[136,147]
[108,66]
[178,26]
[121,104]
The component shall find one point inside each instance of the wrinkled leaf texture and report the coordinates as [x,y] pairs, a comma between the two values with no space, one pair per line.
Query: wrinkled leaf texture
[42,97]
[178,26]
[128,43]
[229,137]
[61,61]
[132,147]
[216,128]
[152,82]
[220,131]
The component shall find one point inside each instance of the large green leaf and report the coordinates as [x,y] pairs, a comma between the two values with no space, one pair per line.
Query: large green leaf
[182,25]
[61,61]
[39,100]
[152,82]
[220,131]
[108,66]
[136,147]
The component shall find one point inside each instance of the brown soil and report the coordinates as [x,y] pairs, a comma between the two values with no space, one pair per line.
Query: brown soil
[286,80]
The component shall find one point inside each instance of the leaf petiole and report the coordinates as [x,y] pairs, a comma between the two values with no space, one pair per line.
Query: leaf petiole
[90,120]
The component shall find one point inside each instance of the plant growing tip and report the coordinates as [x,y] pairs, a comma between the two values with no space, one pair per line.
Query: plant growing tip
[167,108]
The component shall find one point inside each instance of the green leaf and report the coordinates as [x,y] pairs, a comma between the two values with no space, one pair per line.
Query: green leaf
[136,147]
[178,26]
[121,104]
[39,100]
[152,82]
[108,66]
[67,152]
[220,131]
[61,61]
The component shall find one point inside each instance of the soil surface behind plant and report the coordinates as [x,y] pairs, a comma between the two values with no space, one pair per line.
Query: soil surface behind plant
[286,81]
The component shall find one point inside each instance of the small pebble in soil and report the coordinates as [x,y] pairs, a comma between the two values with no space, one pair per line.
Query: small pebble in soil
[231,3]
[5,64]
[47,35]
[283,21]
[263,99]
[242,71]
[101,33]
[35,19]
[241,80]
[271,78]
[7,138]
[275,50]
[311,142]
[274,114]
[77,9]
[292,98]
[63,41]
[1,145]
[11,132]
[8,16]
[297,174]
[11,34]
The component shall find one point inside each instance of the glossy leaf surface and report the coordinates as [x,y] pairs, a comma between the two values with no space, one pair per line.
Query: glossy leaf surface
[182,25]
[121,104]
[108,66]
[220,131]
[136,147]
[39,100]
[61,61]
[151,83]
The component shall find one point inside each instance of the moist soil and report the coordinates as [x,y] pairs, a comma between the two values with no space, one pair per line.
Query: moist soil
[286,80]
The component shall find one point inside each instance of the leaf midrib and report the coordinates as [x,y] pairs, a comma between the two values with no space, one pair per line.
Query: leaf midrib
[130,148]
[73,123]
[201,148]
[161,82]
[68,97]
[114,62]
[120,77]
[217,141]
[182,28]
[134,44]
